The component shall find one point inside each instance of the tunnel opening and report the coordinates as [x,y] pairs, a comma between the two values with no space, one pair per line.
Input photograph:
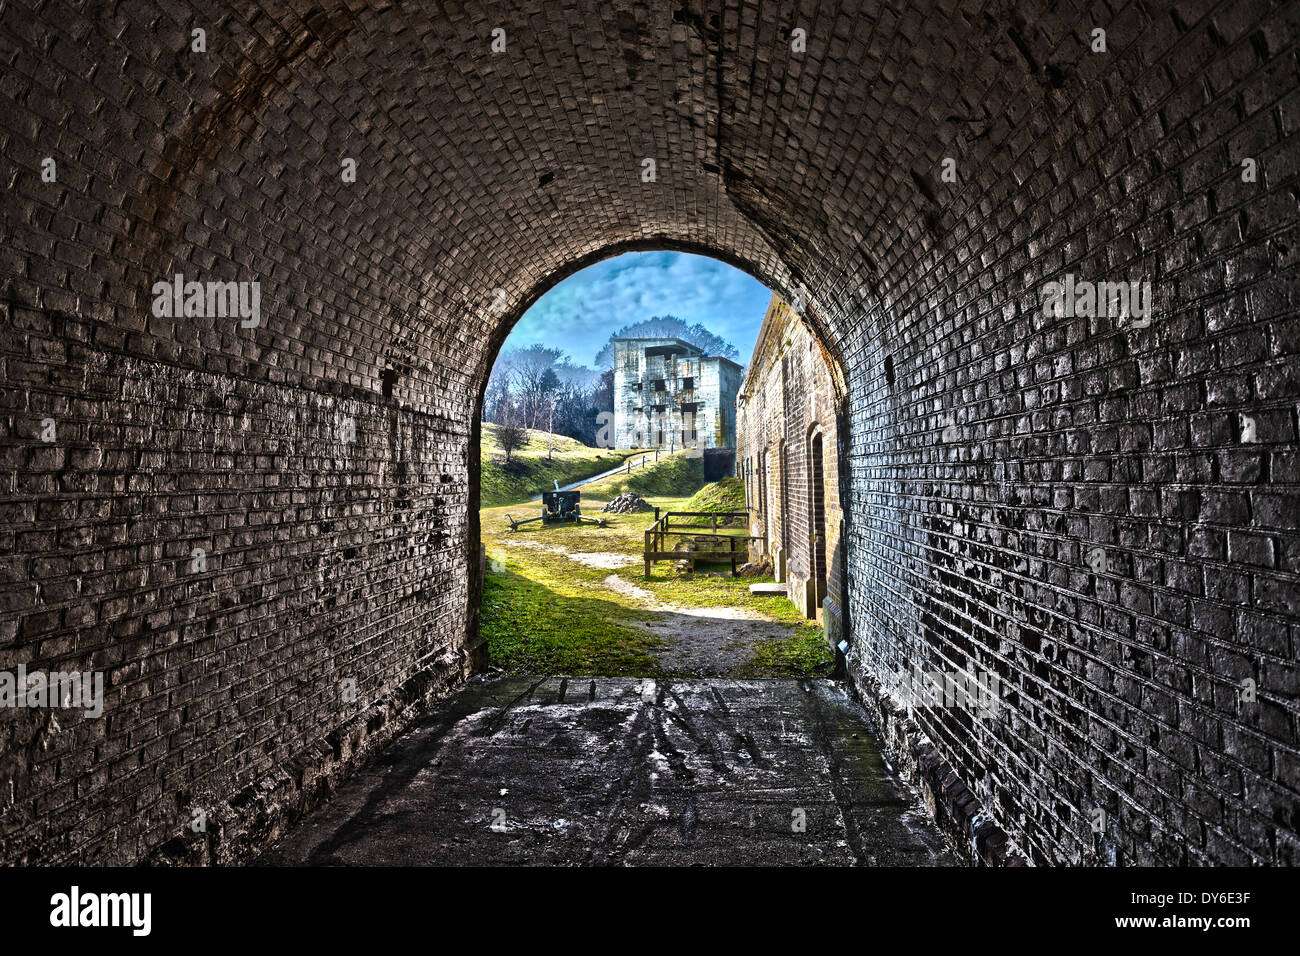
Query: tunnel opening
[664,433]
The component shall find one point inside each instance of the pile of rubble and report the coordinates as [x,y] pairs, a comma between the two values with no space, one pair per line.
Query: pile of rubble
[626,504]
[753,569]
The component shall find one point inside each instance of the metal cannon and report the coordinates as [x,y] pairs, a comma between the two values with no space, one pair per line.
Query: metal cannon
[558,507]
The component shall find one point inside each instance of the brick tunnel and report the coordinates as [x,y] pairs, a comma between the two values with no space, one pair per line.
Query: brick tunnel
[260,524]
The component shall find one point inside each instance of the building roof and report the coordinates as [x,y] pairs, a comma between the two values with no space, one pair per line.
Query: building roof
[665,340]
[660,339]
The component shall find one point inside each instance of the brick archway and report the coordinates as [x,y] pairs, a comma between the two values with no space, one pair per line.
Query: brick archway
[757,269]
[1102,513]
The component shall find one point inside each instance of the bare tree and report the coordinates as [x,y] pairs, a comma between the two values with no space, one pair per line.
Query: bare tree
[551,401]
[497,394]
[548,392]
[511,436]
[533,378]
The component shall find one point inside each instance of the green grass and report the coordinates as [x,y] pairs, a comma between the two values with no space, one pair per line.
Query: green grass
[728,494]
[539,615]
[623,534]
[529,472]
[803,654]
[530,629]
[672,475]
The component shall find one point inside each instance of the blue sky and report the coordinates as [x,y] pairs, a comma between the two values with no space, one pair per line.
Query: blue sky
[579,313]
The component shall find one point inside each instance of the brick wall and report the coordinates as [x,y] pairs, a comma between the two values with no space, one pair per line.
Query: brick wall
[327,576]
[1011,450]
[787,401]
[1006,450]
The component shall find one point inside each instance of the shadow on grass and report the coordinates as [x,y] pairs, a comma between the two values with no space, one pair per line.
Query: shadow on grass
[532,629]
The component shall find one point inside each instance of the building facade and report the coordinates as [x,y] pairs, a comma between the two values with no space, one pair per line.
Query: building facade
[669,394]
[787,454]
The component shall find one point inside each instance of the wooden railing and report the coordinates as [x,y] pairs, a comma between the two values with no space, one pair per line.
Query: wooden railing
[736,549]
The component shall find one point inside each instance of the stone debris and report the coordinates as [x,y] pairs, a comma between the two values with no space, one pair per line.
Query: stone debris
[755,569]
[628,503]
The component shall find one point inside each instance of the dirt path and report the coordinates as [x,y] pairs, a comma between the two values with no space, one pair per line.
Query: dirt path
[710,641]
[592,559]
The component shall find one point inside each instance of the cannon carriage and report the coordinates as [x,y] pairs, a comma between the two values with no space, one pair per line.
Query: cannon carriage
[558,507]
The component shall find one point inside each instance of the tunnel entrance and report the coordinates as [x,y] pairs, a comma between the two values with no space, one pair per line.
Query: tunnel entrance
[646,436]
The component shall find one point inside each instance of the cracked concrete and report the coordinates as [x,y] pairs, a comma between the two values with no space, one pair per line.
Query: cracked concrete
[626,771]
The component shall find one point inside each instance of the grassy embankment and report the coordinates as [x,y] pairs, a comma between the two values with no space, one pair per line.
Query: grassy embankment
[530,472]
[671,476]
[547,608]
[727,494]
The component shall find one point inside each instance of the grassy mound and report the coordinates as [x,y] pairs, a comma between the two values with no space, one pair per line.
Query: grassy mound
[529,473]
[725,495]
[728,494]
[672,475]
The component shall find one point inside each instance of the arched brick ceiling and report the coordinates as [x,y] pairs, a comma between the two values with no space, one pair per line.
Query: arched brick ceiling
[481,170]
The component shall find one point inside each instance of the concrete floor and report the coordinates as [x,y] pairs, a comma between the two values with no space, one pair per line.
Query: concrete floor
[598,771]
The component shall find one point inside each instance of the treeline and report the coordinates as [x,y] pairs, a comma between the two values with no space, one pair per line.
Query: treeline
[540,387]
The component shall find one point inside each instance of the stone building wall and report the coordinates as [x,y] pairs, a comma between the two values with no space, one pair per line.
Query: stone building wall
[695,406]
[787,410]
